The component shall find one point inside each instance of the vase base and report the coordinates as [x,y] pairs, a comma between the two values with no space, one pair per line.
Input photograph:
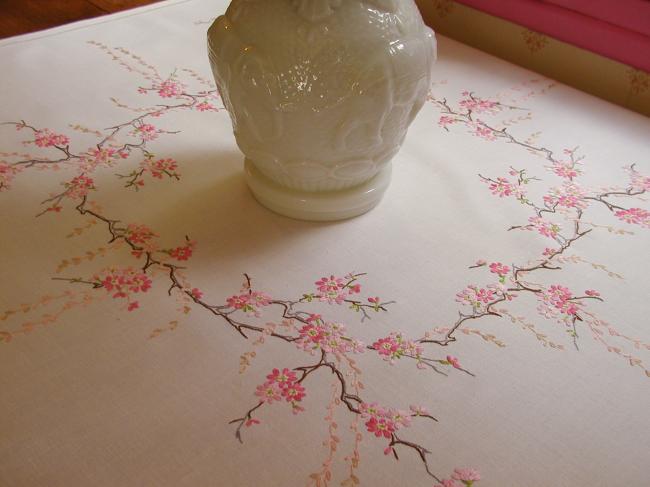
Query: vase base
[318,206]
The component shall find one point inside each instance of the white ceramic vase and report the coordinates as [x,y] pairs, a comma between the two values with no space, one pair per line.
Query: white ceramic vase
[321,94]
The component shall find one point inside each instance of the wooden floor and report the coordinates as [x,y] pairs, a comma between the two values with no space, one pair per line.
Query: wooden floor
[22,16]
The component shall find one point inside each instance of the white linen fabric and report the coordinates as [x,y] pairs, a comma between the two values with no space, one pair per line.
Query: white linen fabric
[501,287]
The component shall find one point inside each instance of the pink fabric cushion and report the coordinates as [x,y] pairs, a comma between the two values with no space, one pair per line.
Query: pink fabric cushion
[629,14]
[624,37]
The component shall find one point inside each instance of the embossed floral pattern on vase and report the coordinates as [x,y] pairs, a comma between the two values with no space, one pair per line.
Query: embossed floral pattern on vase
[321,92]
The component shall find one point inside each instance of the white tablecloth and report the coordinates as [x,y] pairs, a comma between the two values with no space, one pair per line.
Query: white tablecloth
[503,283]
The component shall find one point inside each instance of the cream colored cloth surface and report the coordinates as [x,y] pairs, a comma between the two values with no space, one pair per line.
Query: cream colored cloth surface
[127,228]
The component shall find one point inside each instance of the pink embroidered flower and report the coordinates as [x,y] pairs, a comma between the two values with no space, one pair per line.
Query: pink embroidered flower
[418,410]
[569,195]
[479,105]
[331,289]
[106,156]
[283,378]
[249,303]
[269,392]
[329,337]
[386,346]
[258,299]
[238,302]
[313,317]
[592,293]
[548,252]
[500,269]
[401,418]
[395,346]
[282,384]
[146,132]
[384,422]
[140,235]
[204,106]
[380,427]
[480,263]
[480,130]
[374,300]
[478,297]
[7,174]
[124,283]
[559,295]
[79,186]
[453,361]
[446,121]
[635,216]
[466,475]
[638,182]
[251,422]
[293,392]
[169,89]
[558,302]
[184,252]
[565,170]
[47,138]
[369,410]
[502,187]
[544,227]
[335,289]
[161,167]
[196,293]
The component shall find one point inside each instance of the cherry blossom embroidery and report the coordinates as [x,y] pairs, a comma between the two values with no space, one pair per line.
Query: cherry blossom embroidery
[557,302]
[480,297]
[123,284]
[384,423]
[500,270]
[479,129]
[161,167]
[249,303]
[471,103]
[502,187]
[196,293]
[146,132]
[205,107]
[47,138]
[183,252]
[569,195]
[638,182]
[102,157]
[169,89]
[445,121]
[329,345]
[543,227]
[395,346]
[335,289]
[78,187]
[466,477]
[318,335]
[635,216]
[7,174]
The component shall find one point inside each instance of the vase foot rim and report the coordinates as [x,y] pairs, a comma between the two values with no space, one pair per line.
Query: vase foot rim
[317,206]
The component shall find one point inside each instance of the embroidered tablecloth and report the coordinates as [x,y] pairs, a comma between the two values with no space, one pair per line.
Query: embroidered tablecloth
[489,319]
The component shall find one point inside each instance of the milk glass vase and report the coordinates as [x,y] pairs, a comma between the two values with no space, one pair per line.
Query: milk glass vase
[321,94]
